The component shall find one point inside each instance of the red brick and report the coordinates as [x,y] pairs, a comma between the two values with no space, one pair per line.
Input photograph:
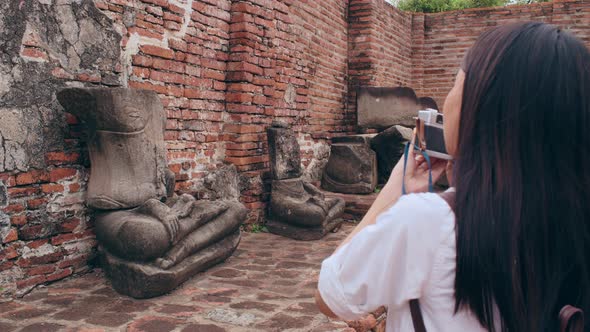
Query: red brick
[34,176]
[18,220]
[37,243]
[214,74]
[36,280]
[157,51]
[239,76]
[52,188]
[62,173]
[145,33]
[169,65]
[170,25]
[140,60]
[219,85]
[74,187]
[37,260]
[213,64]
[166,77]
[89,77]
[16,192]
[177,44]
[69,225]
[6,265]
[11,236]
[243,128]
[61,158]
[161,3]
[76,262]
[59,72]
[148,86]
[237,97]
[141,72]
[36,203]
[60,239]
[34,53]
[42,269]
[8,252]
[14,208]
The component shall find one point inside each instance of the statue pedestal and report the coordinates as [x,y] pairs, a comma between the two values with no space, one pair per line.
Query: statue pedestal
[143,281]
[302,233]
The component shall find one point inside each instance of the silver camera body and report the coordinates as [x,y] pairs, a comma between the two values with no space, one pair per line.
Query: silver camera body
[429,134]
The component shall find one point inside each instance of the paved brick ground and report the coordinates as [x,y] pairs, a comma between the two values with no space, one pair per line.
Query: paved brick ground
[267,285]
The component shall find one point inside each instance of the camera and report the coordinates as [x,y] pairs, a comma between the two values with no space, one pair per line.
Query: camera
[429,134]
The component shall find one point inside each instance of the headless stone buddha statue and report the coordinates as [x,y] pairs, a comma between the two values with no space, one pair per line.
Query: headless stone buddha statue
[151,240]
[297,208]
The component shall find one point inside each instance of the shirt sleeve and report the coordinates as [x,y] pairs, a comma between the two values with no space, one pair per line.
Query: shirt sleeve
[386,263]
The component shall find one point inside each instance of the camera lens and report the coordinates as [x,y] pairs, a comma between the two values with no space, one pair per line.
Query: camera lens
[439,118]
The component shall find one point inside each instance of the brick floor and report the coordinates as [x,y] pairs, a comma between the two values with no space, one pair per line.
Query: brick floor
[268,285]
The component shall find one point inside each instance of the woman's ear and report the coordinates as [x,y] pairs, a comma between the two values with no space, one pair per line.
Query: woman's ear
[78,101]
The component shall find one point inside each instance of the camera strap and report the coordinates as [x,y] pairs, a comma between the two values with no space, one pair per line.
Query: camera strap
[427,158]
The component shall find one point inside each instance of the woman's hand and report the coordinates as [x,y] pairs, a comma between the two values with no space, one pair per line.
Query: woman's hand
[416,176]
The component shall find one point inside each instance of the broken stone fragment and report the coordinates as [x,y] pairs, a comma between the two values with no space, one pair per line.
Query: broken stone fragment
[285,158]
[389,146]
[352,167]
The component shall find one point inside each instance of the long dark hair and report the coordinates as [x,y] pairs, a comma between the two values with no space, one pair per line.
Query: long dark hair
[523,178]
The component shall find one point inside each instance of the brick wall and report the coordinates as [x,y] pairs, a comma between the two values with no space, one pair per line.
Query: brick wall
[287,62]
[448,35]
[380,46]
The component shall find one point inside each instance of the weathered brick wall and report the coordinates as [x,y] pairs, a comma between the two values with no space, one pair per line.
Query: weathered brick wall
[223,69]
[380,47]
[448,35]
[287,62]
[45,230]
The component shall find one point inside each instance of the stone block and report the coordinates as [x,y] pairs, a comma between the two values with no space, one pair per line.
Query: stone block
[126,275]
[352,167]
[379,107]
[389,146]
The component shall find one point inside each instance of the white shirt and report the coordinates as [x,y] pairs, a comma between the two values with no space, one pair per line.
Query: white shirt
[408,253]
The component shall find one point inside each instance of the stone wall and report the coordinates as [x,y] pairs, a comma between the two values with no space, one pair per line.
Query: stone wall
[446,36]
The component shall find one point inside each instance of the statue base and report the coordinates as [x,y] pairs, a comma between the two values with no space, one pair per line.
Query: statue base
[146,280]
[302,233]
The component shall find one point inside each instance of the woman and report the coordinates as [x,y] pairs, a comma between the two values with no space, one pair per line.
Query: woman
[517,123]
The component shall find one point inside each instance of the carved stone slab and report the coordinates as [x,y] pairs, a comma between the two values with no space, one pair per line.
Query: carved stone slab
[385,107]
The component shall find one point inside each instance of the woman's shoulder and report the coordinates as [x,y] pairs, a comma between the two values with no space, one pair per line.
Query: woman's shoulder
[424,213]
[429,206]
